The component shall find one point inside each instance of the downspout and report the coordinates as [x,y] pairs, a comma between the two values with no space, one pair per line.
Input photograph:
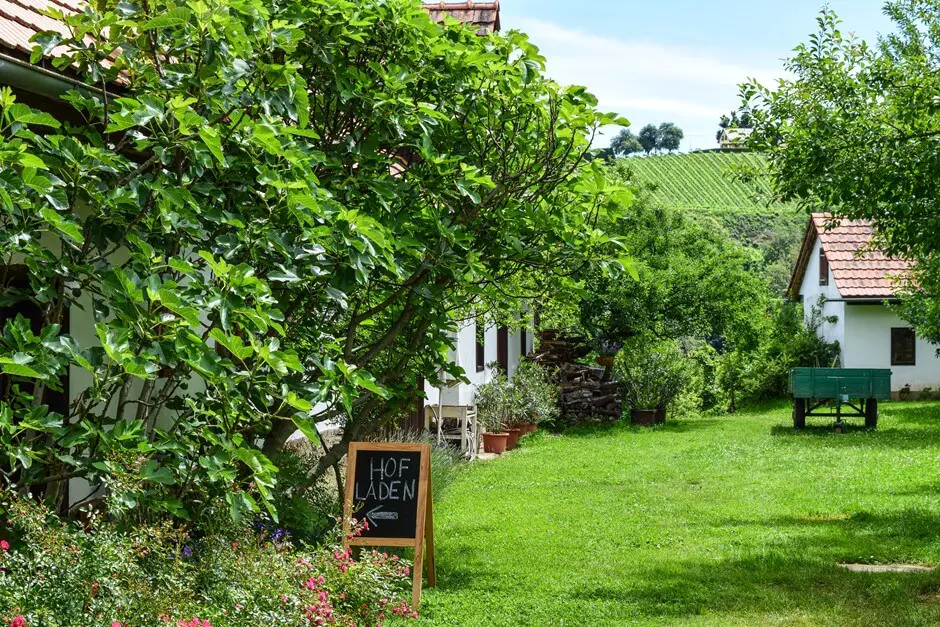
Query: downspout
[38,80]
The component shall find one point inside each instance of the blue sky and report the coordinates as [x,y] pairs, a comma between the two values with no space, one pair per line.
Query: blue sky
[675,60]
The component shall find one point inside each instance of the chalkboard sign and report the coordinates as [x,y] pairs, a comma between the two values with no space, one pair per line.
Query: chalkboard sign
[388,485]
[385,492]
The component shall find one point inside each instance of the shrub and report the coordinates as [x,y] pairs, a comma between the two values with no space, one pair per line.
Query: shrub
[651,376]
[56,574]
[538,393]
[497,403]
[531,395]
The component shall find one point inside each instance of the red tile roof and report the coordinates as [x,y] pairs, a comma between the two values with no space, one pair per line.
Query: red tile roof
[21,19]
[483,15]
[859,270]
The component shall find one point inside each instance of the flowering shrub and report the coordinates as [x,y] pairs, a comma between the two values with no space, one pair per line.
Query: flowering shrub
[54,574]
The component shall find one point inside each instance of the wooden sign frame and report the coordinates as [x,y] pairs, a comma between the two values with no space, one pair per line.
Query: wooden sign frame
[424,527]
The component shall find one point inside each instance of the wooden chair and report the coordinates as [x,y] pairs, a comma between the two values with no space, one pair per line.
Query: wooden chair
[457,424]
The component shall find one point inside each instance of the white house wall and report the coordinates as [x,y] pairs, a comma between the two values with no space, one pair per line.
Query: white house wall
[869,327]
[465,356]
[811,290]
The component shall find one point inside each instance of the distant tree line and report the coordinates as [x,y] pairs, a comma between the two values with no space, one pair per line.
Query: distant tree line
[666,137]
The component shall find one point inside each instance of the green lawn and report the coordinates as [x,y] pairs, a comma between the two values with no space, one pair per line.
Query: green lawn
[707,521]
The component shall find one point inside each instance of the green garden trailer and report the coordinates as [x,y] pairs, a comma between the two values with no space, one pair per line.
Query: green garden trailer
[816,390]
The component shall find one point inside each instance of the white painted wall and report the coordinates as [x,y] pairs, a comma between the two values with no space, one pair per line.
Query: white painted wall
[868,328]
[811,290]
[464,355]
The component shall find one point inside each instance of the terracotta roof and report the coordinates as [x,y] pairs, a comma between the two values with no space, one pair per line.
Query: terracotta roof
[483,15]
[22,19]
[859,270]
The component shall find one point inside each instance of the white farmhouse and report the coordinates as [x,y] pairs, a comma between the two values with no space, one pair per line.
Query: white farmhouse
[856,284]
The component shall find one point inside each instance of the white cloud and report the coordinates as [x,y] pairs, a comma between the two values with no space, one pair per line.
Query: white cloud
[647,82]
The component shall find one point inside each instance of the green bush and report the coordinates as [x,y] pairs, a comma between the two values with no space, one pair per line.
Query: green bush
[651,376]
[538,393]
[531,395]
[56,574]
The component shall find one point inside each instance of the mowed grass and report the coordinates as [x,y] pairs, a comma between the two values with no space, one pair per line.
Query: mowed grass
[706,521]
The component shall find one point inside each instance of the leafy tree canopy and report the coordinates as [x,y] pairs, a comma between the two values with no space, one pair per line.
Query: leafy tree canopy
[856,132]
[649,138]
[276,220]
[670,136]
[626,144]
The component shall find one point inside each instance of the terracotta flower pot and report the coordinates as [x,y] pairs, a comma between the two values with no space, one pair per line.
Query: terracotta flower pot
[513,440]
[495,442]
[643,417]
[529,427]
[661,416]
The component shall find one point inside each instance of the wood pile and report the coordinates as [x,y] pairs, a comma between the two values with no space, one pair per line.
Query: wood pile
[584,396]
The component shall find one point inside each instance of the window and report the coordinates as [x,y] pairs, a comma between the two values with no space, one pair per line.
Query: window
[502,349]
[523,340]
[903,347]
[481,346]
[823,268]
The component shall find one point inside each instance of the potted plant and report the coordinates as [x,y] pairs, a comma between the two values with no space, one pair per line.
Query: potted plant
[495,402]
[606,351]
[537,396]
[649,381]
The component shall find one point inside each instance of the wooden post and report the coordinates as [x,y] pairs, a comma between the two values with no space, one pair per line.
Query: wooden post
[423,508]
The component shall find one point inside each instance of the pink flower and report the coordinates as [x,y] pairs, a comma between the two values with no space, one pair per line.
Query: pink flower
[18,621]
[4,545]
[115,624]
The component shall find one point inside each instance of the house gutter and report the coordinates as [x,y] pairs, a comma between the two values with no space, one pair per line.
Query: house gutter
[37,80]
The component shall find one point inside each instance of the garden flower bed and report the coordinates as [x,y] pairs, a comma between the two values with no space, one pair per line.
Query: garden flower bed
[54,574]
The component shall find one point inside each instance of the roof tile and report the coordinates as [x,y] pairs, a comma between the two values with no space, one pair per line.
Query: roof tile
[859,269]
[483,15]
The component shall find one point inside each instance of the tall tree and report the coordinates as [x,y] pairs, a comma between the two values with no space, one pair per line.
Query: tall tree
[284,220]
[626,144]
[856,132]
[649,138]
[670,137]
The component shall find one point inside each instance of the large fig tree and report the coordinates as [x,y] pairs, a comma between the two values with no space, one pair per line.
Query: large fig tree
[268,213]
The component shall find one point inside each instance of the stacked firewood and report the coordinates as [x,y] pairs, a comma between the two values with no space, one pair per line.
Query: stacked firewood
[584,395]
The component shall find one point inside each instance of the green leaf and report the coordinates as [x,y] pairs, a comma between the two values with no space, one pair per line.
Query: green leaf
[211,139]
[298,403]
[66,227]
[173,17]
[18,370]
[32,161]
[22,113]
[306,426]
[152,471]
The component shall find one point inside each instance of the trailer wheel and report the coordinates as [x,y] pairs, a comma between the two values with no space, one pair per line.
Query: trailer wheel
[799,413]
[871,413]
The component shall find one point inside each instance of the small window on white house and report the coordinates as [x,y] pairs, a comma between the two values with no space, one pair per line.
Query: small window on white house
[903,347]
[823,268]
